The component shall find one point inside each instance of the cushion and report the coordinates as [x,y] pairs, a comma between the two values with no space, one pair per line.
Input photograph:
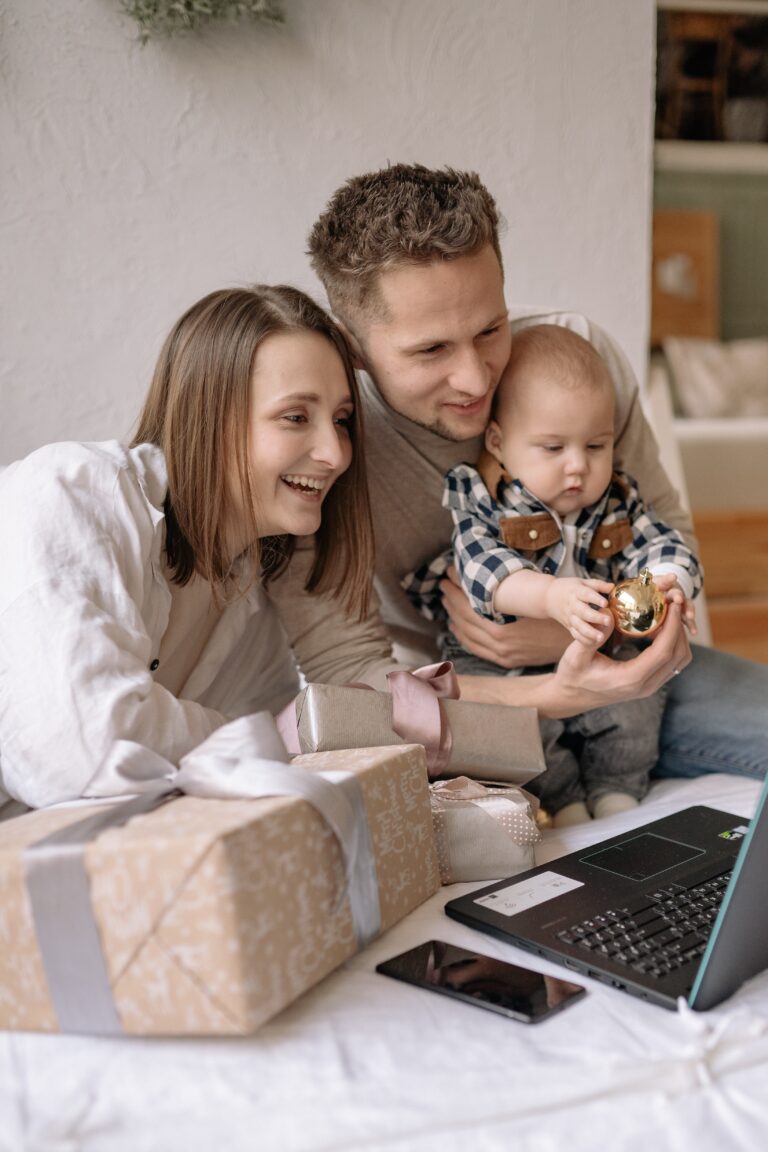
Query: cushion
[712,379]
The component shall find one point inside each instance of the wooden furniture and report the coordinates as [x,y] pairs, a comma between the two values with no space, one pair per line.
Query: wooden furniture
[685,277]
[724,474]
[733,547]
[706,38]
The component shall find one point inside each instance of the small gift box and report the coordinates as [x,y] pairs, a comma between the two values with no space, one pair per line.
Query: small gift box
[208,916]
[484,741]
[482,833]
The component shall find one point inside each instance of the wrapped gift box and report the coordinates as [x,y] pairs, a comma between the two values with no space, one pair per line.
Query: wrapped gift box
[213,915]
[482,833]
[489,741]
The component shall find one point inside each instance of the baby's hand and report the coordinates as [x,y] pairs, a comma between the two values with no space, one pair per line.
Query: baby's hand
[577,604]
[667,583]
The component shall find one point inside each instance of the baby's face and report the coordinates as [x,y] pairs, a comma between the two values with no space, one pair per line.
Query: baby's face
[558,442]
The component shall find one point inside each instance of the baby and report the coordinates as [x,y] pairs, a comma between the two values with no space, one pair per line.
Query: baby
[544,527]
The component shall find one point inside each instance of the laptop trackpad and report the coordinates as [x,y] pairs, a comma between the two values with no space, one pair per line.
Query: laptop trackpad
[642,857]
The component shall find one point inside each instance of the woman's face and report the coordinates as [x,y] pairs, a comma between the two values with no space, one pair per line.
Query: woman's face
[298,430]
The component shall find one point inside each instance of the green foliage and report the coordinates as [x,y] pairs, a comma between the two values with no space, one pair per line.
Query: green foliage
[170,17]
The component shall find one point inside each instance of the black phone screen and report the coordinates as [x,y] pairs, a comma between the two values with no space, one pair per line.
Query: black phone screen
[482,980]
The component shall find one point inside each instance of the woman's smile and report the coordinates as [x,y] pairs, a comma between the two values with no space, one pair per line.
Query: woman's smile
[308,486]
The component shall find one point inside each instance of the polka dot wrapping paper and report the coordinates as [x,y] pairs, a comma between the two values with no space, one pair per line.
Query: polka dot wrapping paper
[482,832]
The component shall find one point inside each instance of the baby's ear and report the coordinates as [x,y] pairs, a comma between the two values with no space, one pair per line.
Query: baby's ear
[493,440]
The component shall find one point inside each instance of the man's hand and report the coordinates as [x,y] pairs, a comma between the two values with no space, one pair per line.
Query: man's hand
[526,643]
[576,604]
[586,674]
[667,582]
[586,679]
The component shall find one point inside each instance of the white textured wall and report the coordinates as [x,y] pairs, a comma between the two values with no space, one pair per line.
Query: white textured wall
[137,179]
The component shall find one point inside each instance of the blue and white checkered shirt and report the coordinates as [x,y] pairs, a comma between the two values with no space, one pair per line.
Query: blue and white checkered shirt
[496,535]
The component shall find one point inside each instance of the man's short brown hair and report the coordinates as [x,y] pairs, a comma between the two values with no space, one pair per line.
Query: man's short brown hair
[405,213]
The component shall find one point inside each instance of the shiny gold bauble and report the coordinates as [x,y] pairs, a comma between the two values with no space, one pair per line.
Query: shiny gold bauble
[638,606]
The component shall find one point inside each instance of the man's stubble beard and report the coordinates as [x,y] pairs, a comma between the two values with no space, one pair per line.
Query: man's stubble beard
[436,425]
[444,432]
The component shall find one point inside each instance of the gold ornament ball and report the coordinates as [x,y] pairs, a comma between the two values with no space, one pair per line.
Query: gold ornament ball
[638,606]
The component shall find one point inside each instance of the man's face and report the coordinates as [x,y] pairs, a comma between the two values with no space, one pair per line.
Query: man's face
[438,357]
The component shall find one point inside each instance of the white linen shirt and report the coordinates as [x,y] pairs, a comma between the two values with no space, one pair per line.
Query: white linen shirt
[84,604]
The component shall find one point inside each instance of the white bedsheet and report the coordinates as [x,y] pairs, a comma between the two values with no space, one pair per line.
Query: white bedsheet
[365,1062]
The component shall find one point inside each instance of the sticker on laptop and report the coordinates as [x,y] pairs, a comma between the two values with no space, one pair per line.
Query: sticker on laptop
[525,894]
[734,833]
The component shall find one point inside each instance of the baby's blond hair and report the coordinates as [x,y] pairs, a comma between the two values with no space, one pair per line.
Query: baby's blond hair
[567,360]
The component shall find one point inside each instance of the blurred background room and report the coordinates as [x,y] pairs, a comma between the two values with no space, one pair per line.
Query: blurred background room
[709,327]
[138,176]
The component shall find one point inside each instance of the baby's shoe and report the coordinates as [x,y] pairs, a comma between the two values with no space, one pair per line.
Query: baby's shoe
[611,803]
[576,813]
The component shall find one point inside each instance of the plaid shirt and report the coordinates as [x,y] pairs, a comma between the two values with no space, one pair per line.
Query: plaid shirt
[615,538]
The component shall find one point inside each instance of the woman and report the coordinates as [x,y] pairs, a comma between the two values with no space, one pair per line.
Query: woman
[132,610]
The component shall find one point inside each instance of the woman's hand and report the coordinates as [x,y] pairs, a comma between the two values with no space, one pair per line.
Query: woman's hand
[526,643]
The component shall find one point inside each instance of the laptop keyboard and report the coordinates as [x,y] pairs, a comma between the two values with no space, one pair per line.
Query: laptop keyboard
[656,933]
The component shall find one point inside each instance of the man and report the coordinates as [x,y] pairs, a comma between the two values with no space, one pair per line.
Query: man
[411,263]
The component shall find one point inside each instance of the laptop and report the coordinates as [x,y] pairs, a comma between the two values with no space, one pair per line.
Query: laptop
[677,907]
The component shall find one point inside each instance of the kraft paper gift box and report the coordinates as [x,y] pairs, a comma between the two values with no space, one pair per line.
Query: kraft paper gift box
[491,742]
[213,915]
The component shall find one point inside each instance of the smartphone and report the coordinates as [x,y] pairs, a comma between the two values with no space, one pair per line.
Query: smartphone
[482,980]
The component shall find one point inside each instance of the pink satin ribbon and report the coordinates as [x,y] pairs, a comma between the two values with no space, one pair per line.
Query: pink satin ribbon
[288,727]
[495,800]
[417,714]
[461,788]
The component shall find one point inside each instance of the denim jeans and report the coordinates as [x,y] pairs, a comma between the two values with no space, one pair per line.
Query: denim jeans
[716,718]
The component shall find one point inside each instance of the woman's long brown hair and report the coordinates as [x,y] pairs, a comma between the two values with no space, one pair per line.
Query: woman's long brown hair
[196,410]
